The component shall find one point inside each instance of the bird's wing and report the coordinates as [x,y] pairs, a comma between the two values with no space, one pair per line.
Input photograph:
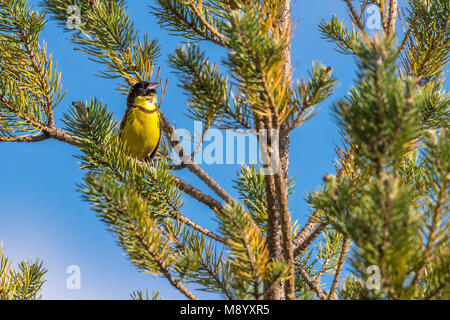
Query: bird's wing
[157,145]
[124,119]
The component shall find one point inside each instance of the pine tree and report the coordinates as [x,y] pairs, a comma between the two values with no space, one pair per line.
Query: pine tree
[384,211]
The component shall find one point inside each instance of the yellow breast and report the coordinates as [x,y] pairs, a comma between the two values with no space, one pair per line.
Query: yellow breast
[141,132]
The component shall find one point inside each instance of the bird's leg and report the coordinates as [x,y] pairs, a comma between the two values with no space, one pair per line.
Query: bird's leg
[149,158]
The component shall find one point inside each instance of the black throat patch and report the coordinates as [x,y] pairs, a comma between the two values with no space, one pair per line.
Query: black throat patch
[143,109]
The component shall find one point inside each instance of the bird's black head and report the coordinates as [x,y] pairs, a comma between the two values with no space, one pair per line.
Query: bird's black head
[142,89]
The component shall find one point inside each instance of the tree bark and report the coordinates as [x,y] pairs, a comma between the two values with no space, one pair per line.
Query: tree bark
[279,242]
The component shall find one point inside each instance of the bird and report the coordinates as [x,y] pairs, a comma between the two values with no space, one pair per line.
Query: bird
[140,129]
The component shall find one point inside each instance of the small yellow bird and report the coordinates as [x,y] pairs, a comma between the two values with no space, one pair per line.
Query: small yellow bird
[139,129]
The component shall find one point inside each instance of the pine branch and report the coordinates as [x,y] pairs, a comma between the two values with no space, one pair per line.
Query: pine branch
[335,31]
[312,284]
[307,229]
[354,16]
[426,51]
[193,167]
[192,21]
[250,260]
[198,12]
[30,78]
[213,272]
[52,132]
[108,35]
[301,246]
[10,11]
[436,291]
[22,284]
[392,17]
[139,295]
[405,40]
[337,275]
[39,138]
[200,196]
[441,170]
[320,86]
[252,192]
[373,186]
[264,81]
[164,270]
[209,93]
[177,215]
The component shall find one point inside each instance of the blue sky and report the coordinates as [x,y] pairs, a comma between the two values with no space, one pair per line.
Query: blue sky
[41,214]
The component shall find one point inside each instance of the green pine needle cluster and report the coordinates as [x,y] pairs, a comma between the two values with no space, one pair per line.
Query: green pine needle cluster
[30,85]
[250,262]
[23,283]
[398,220]
[108,36]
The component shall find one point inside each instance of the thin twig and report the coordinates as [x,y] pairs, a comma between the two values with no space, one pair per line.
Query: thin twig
[303,245]
[197,11]
[312,284]
[200,196]
[309,226]
[322,270]
[337,275]
[52,132]
[191,166]
[199,228]
[355,17]
[177,215]
[405,39]
[38,138]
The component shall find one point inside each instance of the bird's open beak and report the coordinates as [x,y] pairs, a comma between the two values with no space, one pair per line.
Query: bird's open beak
[152,86]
